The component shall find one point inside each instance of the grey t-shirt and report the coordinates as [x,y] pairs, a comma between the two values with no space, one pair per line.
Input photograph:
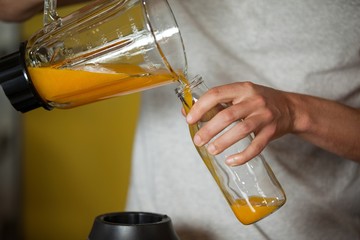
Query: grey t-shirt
[302,46]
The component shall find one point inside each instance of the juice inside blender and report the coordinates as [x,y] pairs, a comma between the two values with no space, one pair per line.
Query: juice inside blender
[103,50]
[69,88]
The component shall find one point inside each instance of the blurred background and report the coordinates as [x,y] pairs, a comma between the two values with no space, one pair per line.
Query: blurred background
[60,169]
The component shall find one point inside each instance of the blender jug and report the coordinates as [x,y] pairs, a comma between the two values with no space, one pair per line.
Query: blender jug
[105,49]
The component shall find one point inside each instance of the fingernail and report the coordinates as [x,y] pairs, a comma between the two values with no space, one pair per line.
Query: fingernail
[197,140]
[189,118]
[230,161]
[212,149]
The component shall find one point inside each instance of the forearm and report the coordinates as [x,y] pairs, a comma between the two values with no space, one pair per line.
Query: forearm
[327,124]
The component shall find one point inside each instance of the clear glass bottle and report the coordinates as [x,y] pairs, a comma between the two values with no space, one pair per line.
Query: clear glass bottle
[251,189]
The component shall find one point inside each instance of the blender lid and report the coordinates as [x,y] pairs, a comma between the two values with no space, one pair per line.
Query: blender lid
[16,83]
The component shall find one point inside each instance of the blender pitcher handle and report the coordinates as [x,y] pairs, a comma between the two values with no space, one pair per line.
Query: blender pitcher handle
[50,14]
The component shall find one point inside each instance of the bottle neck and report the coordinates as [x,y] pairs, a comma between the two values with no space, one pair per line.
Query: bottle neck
[191,92]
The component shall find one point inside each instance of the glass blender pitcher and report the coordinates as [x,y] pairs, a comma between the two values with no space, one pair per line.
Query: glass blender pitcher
[105,49]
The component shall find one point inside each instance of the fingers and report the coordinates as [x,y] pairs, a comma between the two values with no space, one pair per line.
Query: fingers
[252,109]
[249,110]
[256,146]
[222,94]
[238,134]
[218,123]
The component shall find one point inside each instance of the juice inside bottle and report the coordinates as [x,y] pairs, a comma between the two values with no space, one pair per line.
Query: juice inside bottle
[251,210]
[67,88]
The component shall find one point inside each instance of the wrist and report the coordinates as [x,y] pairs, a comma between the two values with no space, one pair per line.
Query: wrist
[299,113]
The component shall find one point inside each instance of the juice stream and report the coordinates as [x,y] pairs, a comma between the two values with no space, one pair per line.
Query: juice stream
[67,88]
[247,210]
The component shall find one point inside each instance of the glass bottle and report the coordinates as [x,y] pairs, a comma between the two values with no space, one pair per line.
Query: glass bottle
[251,189]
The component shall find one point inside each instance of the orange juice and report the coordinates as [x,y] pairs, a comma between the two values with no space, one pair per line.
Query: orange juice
[255,208]
[67,88]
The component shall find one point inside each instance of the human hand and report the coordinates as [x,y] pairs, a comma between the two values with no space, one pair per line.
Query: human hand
[266,112]
[20,10]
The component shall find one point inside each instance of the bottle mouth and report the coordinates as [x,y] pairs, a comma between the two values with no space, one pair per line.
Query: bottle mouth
[182,87]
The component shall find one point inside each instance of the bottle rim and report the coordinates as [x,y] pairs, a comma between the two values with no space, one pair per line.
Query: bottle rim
[194,82]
